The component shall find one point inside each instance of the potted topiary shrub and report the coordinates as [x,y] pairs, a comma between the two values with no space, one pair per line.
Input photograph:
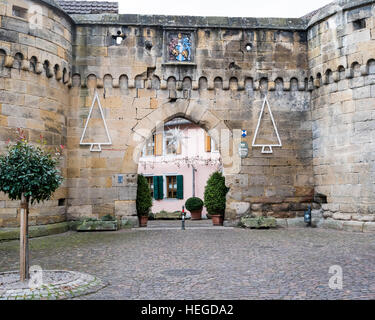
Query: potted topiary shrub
[144,201]
[195,206]
[215,198]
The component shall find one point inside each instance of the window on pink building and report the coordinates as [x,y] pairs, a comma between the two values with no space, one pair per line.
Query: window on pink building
[170,145]
[150,146]
[150,181]
[172,187]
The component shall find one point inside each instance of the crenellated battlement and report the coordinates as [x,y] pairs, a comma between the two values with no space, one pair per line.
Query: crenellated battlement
[61,72]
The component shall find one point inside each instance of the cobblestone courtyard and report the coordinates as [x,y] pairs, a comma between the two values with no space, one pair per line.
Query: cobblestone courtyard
[203,263]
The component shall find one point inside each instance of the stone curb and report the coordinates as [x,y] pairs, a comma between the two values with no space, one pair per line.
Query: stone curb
[34,231]
[186,228]
[51,229]
[80,284]
[352,226]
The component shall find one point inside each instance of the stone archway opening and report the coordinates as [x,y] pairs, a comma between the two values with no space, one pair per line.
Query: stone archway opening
[225,138]
[177,159]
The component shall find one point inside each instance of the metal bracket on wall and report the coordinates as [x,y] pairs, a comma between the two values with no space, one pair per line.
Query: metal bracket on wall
[266,148]
[95,146]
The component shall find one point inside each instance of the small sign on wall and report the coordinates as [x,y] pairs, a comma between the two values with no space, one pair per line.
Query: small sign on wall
[120,179]
[243,150]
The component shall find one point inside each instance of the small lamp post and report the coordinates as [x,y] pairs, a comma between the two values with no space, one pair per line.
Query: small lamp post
[307,216]
[183,218]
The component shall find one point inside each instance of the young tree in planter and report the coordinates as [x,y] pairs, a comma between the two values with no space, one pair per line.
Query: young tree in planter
[215,194]
[144,199]
[28,173]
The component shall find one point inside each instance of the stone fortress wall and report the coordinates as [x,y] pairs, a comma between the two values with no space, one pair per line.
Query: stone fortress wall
[317,73]
[220,90]
[341,49]
[35,67]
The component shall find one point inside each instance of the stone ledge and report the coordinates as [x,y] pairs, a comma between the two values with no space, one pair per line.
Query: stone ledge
[352,226]
[296,223]
[369,227]
[190,21]
[34,231]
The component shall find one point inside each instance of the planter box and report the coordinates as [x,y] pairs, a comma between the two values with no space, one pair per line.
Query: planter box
[97,226]
[256,223]
[34,231]
[168,216]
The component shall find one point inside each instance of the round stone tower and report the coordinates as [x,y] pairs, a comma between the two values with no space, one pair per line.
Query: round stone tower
[35,68]
[341,55]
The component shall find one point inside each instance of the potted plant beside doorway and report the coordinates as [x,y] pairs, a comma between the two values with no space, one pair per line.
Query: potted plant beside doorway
[215,198]
[195,206]
[144,201]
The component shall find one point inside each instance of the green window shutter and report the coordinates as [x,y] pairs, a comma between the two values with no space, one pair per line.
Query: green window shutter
[161,188]
[156,188]
[180,187]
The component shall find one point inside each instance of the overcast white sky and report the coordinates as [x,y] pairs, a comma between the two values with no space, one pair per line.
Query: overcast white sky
[231,8]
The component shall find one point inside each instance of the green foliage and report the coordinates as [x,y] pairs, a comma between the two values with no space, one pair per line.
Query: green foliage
[90,220]
[144,199]
[108,217]
[215,194]
[26,168]
[193,204]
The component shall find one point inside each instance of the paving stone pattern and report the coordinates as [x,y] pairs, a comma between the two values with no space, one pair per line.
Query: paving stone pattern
[57,285]
[202,263]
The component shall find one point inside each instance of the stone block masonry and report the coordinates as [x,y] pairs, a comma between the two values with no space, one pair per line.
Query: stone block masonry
[318,73]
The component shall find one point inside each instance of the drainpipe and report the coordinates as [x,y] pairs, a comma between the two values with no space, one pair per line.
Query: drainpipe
[192,168]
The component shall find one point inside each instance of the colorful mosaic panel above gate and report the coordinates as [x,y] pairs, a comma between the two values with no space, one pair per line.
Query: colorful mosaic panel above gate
[179,47]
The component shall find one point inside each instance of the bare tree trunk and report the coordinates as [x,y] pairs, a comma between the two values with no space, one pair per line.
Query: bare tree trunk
[24,239]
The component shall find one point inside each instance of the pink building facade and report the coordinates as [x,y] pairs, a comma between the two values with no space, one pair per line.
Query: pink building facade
[177,163]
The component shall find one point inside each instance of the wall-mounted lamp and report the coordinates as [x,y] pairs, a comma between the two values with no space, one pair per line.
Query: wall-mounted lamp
[307,217]
[249,47]
[119,37]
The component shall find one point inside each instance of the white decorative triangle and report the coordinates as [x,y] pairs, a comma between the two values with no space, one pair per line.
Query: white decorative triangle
[266,148]
[95,146]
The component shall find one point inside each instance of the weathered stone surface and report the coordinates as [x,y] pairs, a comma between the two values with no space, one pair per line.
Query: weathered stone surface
[34,231]
[296,223]
[97,226]
[258,223]
[125,208]
[332,224]
[282,223]
[369,227]
[241,208]
[354,226]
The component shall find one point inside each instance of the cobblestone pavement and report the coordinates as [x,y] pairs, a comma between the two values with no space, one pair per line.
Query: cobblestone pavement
[202,263]
[56,285]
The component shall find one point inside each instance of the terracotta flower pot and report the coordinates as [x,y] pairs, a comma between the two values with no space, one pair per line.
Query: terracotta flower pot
[196,214]
[143,221]
[217,219]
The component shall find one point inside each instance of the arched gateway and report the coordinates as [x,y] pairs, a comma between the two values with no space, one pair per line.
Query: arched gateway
[188,109]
